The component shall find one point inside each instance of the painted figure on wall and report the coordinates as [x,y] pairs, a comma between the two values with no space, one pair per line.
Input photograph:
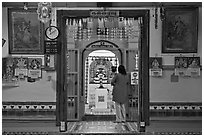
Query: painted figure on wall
[25,34]
[178,33]
[181,62]
[194,62]
[180,30]
[100,71]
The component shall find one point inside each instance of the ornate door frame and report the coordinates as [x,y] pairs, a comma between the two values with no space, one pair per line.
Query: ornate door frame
[61,95]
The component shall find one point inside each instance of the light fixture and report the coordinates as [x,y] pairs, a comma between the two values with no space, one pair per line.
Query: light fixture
[44,11]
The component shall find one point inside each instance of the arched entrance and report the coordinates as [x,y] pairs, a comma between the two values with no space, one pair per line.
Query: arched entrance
[98,58]
[98,75]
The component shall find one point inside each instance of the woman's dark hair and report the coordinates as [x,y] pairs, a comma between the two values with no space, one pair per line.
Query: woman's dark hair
[121,69]
[113,68]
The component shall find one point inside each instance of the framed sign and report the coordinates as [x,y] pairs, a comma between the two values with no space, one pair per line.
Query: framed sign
[187,66]
[155,66]
[49,62]
[179,30]
[7,69]
[51,47]
[21,67]
[193,66]
[25,32]
[134,77]
[34,68]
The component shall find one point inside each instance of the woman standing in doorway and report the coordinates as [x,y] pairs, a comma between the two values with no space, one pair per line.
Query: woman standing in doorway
[120,84]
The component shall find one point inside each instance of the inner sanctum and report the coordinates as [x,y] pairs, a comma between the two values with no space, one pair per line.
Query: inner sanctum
[98,90]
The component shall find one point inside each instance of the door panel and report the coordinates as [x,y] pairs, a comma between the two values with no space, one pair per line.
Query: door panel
[72,84]
[132,66]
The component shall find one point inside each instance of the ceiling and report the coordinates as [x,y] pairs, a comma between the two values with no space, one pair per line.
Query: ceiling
[102,4]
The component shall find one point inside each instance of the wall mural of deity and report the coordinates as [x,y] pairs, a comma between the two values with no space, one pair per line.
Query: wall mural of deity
[100,69]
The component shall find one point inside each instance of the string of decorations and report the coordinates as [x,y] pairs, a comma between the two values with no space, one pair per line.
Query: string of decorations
[162,12]
[161,8]
[108,58]
[156,18]
[102,28]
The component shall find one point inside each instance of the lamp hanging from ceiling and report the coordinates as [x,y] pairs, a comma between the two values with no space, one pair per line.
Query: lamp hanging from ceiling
[44,11]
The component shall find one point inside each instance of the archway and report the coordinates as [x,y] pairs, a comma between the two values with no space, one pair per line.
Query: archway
[97,59]
[98,75]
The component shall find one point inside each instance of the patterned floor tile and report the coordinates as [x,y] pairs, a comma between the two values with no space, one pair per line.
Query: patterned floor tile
[103,127]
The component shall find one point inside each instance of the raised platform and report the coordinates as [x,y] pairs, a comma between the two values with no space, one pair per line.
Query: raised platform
[98,118]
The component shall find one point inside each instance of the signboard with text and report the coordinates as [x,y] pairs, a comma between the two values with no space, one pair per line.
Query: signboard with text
[134,77]
[51,47]
[104,13]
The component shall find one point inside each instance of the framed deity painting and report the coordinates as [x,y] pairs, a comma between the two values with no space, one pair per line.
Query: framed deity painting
[25,32]
[180,30]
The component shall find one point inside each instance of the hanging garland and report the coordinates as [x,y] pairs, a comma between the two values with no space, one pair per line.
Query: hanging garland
[156,17]
[162,14]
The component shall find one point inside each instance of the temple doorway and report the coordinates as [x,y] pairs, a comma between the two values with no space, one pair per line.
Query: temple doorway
[128,40]
[98,90]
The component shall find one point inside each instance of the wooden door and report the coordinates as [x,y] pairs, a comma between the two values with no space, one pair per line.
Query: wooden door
[72,81]
[132,66]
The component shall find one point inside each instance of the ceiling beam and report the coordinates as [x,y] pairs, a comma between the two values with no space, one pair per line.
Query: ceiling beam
[94,4]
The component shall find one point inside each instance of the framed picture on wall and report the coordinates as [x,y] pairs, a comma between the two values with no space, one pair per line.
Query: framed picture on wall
[155,64]
[181,65]
[179,30]
[193,66]
[25,32]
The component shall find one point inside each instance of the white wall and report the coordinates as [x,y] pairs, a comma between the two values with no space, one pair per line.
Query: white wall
[41,90]
[185,90]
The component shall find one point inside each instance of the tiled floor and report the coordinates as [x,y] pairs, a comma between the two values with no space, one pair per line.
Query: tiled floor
[102,127]
[168,126]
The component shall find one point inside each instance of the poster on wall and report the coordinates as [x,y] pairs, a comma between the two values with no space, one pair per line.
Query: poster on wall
[21,69]
[34,68]
[25,31]
[187,66]
[7,69]
[134,77]
[155,66]
[49,62]
[181,65]
[8,78]
[179,30]
[193,66]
